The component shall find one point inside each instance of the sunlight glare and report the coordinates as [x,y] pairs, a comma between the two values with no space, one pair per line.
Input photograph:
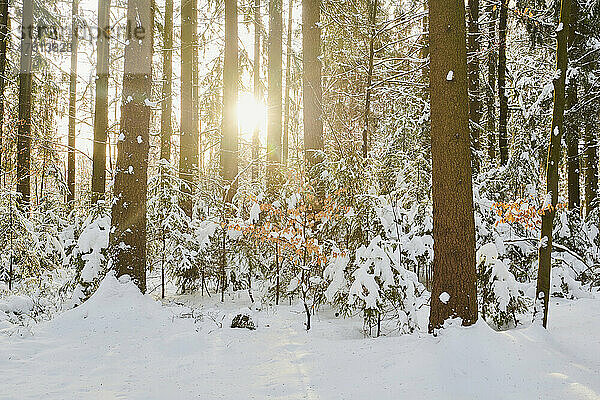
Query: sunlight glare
[250,115]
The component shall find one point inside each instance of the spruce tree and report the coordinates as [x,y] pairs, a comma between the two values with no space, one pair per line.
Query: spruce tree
[24,125]
[454,280]
[274,124]
[229,139]
[552,166]
[101,107]
[128,232]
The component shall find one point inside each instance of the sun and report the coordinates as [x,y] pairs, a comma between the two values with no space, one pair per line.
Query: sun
[251,115]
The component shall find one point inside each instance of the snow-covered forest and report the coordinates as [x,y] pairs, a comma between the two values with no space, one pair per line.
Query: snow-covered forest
[299,199]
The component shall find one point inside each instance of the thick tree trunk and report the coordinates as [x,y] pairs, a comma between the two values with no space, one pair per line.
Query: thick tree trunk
[491,92]
[229,141]
[572,127]
[503,119]
[257,99]
[288,80]
[311,83]
[72,106]
[372,21]
[554,152]
[188,152]
[591,170]
[101,108]
[128,233]
[24,130]
[166,126]
[454,282]
[274,96]
[4,38]
[473,75]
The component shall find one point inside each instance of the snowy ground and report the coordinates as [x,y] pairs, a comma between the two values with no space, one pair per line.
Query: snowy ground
[122,345]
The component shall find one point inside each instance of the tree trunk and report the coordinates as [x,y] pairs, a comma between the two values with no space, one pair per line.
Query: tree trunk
[195,92]
[188,153]
[229,141]
[274,96]
[591,171]
[24,130]
[288,82]
[311,83]
[257,99]
[425,47]
[372,21]
[491,99]
[101,108]
[128,234]
[454,226]
[572,139]
[473,75]
[167,86]
[554,151]
[572,127]
[4,22]
[502,133]
[72,106]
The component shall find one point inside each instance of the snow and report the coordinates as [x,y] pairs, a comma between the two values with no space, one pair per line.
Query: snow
[149,103]
[121,344]
[16,304]
[444,297]
[254,213]
[89,247]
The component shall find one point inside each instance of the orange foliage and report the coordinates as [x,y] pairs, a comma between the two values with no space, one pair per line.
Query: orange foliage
[286,227]
[523,212]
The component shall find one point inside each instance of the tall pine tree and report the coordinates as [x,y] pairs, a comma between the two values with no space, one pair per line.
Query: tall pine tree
[454,280]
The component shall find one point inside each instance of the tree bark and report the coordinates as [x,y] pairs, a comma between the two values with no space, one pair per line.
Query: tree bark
[288,82]
[4,38]
[311,83]
[372,21]
[229,141]
[503,119]
[128,233]
[72,106]
[473,75]
[188,152]
[166,126]
[257,99]
[195,90]
[554,152]
[591,170]
[572,127]
[24,129]
[101,107]
[491,98]
[572,139]
[274,96]
[454,226]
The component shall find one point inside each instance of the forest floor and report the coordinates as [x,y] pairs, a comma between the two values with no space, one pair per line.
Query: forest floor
[122,345]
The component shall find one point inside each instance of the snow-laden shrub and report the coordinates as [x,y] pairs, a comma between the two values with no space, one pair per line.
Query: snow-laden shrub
[576,247]
[501,298]
[376,284]
[408,225]
[337,276]
[89,256]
